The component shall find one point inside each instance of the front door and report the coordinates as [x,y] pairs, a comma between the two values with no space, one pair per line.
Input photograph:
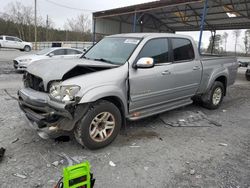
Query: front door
[148,86]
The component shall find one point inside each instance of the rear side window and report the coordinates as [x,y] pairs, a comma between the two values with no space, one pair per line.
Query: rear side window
[156,49]
[182,49]
[1,38]
[59,52]
[72,52]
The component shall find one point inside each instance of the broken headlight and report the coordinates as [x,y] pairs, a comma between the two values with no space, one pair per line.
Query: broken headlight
[63,92]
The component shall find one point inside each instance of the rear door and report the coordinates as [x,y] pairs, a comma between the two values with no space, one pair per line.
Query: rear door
[186,70]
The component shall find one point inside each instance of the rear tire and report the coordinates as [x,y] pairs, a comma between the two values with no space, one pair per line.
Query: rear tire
[27,48]
[213,98]
[248,74]
[99,126]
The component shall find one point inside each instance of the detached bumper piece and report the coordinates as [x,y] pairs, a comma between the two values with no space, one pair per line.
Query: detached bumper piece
[45,115]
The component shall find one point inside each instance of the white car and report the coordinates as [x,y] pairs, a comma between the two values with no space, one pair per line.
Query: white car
[14,43]
[21,63]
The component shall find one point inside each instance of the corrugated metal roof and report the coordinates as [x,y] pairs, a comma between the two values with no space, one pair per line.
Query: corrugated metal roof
[183,15]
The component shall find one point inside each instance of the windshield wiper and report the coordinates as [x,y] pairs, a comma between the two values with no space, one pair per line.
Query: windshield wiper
[104,60]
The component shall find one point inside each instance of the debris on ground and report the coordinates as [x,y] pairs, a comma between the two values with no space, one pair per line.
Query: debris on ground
[192,172]
[2,151]
[133,145]
[20,175]
[111,163]
[181,120]
[224,110]
[14,141]
[48,165]
[55,163]
[222,144]
[146,168]
[68,159]
[198,176]
[78,159]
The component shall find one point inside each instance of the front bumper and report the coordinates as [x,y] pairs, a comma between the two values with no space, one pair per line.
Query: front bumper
[48,117]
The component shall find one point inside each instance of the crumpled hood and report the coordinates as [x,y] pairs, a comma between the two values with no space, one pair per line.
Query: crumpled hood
[55,69]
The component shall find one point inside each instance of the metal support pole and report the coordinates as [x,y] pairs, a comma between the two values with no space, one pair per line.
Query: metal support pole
[93,36]
[213,39]
[134,23]
[35,27]
[202,24]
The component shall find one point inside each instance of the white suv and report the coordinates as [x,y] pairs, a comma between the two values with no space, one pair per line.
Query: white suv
[15,43]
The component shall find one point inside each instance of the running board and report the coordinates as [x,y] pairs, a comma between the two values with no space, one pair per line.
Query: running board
[158,109]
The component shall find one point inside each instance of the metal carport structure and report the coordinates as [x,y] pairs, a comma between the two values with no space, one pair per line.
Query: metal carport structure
[173,16]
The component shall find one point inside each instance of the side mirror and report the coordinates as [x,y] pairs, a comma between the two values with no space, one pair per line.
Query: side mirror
[51,54]
[145,62]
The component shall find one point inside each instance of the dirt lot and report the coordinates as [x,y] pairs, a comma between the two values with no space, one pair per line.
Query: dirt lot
[150,153]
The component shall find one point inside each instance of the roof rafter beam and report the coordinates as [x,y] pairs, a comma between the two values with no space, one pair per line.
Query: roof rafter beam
[197,14]
[161,22]
[174,20]
[231,9]
[248,11]
[218,5]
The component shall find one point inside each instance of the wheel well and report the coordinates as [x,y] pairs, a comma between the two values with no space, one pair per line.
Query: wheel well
[116,101]
[223,80]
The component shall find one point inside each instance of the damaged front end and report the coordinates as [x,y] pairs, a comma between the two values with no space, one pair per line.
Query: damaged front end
[49,117]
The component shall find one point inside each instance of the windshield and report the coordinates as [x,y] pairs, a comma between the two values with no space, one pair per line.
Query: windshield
[44,51]
[113,50]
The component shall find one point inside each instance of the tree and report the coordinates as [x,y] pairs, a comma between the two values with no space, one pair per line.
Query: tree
[236,34]
[224,37]
[246,41]
[215,45]
[81,24]
[21,15]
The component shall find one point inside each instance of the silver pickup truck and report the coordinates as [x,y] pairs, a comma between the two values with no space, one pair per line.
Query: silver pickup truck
[124,76]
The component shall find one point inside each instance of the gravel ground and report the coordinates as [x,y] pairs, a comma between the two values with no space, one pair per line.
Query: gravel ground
[149,153]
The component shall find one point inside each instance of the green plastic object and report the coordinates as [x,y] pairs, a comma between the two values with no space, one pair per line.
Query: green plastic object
[77,176]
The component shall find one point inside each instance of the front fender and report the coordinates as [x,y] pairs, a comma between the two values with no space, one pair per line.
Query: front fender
[106,91]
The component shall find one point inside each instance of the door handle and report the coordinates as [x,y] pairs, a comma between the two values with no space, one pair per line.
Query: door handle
[166,72]
[196,68]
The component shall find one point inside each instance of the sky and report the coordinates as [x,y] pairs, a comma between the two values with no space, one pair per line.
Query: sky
[60,14]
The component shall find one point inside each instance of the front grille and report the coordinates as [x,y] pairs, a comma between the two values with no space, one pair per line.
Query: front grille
[33,82]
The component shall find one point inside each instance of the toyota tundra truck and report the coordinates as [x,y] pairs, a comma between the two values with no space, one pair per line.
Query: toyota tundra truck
[122,77]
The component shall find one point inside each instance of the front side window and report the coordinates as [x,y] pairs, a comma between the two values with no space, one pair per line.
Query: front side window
[182,49]
[17,39]
[115,50]
[1,38]
[156,49]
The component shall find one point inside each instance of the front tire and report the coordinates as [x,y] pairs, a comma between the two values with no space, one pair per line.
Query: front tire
[27,48]
[99,126]
[213,98]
